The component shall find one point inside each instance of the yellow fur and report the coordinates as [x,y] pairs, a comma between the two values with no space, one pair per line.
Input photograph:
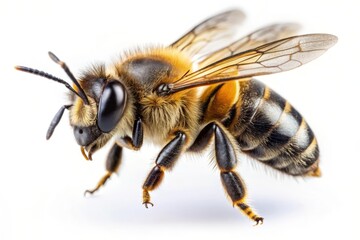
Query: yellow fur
[181,63]
[162,114]
[83,115]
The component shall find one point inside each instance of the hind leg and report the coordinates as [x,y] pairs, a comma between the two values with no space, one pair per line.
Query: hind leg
[226,160]
[236,190]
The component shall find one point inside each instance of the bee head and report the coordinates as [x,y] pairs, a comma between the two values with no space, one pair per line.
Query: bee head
[95,123]
[98,104]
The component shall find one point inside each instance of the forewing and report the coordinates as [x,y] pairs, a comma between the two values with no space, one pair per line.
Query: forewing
[274,57]
[209,32]
[255,39]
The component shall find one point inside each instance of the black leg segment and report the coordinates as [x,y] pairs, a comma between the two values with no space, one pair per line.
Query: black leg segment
[236,190]
[224,150]
[135,142]
[233,185]
[114,158]
[203,139]
[137,134]
[171,152]
[154,178]
[152,181]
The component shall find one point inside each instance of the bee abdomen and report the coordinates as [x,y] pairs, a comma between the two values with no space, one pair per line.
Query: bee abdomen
[296,162]
[276,134]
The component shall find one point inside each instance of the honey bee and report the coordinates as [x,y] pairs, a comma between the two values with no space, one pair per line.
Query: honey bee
[186,96]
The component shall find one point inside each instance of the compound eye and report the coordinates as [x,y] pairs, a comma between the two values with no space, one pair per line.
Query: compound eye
[111,106]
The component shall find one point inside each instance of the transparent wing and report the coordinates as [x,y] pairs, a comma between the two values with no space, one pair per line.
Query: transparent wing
[257,38]
[209,32]
[274,57]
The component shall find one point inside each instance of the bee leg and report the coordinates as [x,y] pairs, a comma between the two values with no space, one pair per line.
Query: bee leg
[164,161]
[233,184]
[136,141]
[226,160]
[112,164]
[235,188]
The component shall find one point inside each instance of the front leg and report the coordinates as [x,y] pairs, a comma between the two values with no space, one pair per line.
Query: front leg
[112,164]
[114,157]
[136,141]
[165,160]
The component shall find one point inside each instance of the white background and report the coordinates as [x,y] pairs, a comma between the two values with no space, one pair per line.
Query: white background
[42,181]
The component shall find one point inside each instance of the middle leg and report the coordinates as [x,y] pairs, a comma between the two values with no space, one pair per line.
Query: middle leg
[164,161]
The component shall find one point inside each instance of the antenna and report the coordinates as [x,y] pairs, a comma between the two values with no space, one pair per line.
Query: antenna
[71,76]
[47,75]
